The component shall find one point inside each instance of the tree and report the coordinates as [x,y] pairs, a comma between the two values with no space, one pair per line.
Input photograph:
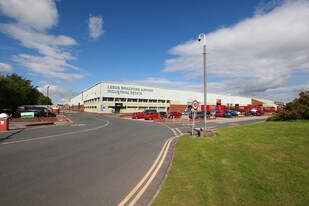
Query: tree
[16,90]
[44,100]
[297,109]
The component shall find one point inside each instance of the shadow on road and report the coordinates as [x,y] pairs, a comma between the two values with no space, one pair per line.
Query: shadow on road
[10,135]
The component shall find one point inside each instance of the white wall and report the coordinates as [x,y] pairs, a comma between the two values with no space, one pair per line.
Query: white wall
[123,90]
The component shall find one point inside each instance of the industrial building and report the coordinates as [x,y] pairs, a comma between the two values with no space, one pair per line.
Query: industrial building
[112,97]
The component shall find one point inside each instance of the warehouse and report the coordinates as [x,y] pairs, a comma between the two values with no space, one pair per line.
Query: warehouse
[112,97]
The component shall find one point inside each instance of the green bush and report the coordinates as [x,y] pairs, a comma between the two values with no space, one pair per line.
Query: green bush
[16,90]
[296,110]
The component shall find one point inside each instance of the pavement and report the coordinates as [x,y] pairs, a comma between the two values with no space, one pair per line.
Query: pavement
[16,124]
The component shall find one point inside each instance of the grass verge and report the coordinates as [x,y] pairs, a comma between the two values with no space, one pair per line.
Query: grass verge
[257,164]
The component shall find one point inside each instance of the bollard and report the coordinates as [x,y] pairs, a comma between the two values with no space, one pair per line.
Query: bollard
[4,122]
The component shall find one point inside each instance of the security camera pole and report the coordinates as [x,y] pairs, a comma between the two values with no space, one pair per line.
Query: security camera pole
[47,93]
[204,54]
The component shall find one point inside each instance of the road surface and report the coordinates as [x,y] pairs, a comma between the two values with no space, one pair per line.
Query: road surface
[96,160]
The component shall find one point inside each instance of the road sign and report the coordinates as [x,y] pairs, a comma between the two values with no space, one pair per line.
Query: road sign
[195,104]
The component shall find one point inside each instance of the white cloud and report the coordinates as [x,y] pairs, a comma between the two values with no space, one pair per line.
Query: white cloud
[39,15]
[95,25]
[5,67]
[48,67]
[58,94]
[255,56]
[45,44]
[158,82]
[30,27]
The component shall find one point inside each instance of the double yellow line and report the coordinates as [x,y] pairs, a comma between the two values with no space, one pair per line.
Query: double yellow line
[138,190]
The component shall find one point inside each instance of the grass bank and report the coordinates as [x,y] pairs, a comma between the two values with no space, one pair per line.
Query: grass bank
[257,164]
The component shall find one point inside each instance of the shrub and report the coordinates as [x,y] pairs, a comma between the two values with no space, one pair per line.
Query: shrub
[296,110]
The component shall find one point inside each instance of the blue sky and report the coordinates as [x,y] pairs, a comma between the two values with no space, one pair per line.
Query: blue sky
[254,48]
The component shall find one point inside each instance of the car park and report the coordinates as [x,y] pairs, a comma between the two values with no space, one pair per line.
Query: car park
[173,115]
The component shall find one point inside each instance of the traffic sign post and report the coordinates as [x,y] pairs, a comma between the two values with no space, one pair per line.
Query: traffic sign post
[195,105]
[193,121]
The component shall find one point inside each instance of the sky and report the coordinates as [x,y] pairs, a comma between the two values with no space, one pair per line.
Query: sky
[255,48]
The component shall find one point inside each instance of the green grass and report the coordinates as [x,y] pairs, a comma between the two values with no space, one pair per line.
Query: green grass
[257,164]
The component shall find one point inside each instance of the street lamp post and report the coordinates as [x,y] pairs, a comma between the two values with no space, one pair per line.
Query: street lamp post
[204,54]
[47,93]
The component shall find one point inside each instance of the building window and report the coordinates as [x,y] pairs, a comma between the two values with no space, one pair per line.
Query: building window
[153,101]
[132,107]
[120,99]
[132,100]
[108,99]
[161,101]
[142,100]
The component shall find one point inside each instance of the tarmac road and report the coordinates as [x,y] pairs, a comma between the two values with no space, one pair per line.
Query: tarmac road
[96,160]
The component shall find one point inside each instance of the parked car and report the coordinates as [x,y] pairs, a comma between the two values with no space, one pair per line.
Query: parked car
[258,113]
[152,115]
[230,113]
[41,112]
[199,114]
[248,113]
[150,110]
[162,114]
[38,110]
[213,112]
[219,113]
[138,115]
[173,115]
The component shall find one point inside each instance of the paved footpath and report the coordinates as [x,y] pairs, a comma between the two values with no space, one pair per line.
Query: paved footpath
[17,124]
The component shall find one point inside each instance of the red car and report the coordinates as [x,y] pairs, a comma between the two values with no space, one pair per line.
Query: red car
[152,115]
[138,115]
[173,115]
[219,113]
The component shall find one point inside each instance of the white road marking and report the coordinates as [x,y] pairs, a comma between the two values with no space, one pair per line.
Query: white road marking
[58,135]
[156,165]
[77,125]
[178,130]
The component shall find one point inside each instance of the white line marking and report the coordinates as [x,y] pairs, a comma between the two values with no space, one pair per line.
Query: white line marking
[178,130]
[58,135]
[77,125]
[174,131]
[141,182]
